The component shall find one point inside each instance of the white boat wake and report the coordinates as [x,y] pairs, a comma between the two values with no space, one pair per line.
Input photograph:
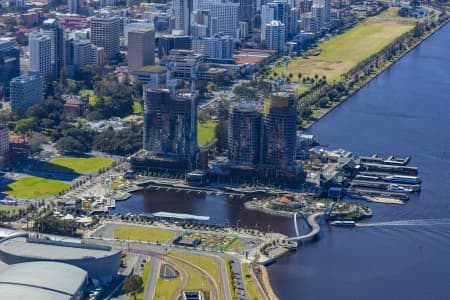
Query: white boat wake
[418,222]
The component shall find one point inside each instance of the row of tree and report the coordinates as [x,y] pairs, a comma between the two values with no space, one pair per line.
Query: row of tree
[333,93]
[51,224]
[120,142]
[114,99]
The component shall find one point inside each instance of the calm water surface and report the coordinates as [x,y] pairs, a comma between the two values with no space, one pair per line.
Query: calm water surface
[406,253]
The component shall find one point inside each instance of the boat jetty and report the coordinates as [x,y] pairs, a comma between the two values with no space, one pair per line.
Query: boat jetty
[372,178]
[389,178]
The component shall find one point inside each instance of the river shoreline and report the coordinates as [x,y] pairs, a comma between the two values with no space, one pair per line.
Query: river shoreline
[248,205]
[326,111]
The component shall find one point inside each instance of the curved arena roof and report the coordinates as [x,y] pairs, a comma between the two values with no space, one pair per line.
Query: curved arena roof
[41,280]
[100,262]
[51,250]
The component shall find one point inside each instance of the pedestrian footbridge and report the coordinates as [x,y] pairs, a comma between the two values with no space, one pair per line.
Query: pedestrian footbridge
[312,221]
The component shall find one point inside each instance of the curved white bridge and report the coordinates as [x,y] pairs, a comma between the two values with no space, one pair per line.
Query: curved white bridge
[312,221]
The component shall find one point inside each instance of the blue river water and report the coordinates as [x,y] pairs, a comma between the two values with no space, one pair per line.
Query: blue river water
[404,252]
[404,111]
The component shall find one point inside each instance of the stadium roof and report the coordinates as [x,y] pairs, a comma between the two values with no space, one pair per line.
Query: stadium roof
[52,250]
[41,280]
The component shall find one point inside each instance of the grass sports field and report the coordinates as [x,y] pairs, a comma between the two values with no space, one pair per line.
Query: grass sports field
[342,52]
[33,187]
[81,164]
[205,132]
[143,234]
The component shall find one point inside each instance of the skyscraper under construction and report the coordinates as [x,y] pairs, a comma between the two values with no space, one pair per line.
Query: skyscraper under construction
[245,135]
[170,131]
[280,124]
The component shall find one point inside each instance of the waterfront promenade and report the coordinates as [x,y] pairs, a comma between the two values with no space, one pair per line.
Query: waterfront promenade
[392,114]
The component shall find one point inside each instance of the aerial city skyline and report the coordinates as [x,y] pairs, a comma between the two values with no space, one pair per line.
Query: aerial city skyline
[224,149]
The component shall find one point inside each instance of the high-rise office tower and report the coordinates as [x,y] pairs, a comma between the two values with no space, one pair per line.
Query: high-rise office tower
[40,53]
[51,29]
[275,33]
[26,90]
[243,30]
[105,33]
[247,12]
[162,23]
[170,125]
[74,6]
[165,43]
[182,10]
[310,23]
[9,63]
[280,125]
[305,6]
[293,26]
[203,24]
[135,26]
[267,15]
[141,48]
[84,53]
[318,12]
[275,11]
[68,56]
[327,5]
[220,47]
[227,15]
[245,135]
[321,9]
[4,146]
[184,63]
[106,3]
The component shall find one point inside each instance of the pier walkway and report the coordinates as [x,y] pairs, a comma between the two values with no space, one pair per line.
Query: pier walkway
[312,222]
[191,189]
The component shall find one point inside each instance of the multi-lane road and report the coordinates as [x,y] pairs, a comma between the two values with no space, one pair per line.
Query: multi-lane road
[158,255]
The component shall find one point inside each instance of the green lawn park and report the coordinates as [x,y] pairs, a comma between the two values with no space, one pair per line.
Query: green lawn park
[33,187]
[81,164]
[145,234]
[206,133]
[344,51]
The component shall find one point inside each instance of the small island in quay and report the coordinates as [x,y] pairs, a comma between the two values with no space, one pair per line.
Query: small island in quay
[162,150]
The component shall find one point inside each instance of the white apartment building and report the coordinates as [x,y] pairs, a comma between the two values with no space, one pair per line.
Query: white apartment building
[40,53]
